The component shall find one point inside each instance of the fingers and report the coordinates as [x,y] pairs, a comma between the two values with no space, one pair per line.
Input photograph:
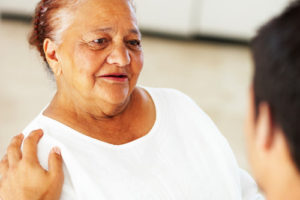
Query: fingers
[4,165]
[14,150]
[30,146]
[55,163]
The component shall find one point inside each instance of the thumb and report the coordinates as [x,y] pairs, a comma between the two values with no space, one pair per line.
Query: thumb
[55,163]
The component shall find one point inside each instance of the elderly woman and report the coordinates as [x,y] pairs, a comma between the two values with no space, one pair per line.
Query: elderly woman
[120,141]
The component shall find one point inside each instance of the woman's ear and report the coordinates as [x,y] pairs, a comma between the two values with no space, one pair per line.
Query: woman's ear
[50,49]
[264,127]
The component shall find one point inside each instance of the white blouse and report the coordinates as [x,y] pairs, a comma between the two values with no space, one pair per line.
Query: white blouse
[183,157]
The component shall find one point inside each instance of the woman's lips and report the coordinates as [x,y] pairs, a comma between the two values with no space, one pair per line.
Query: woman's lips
[119,77]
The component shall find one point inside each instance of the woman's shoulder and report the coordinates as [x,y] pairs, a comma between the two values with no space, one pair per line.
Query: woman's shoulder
[174,99]
[33,125]
[171,100]
[36,123]
[169,94]
[47,141]
[185,112]
[169,91]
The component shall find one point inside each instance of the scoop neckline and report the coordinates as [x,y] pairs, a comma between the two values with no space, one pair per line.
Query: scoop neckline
[153,131]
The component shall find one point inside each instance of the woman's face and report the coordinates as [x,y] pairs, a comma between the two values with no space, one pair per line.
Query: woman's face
[100,54]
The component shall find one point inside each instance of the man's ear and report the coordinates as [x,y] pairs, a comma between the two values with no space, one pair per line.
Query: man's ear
[264,127]
[50,49]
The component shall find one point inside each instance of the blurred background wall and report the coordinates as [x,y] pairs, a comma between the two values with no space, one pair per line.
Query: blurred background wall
[222,18]
[197,46]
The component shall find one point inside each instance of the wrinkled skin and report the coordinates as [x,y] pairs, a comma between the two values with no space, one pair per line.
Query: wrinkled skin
[22,176]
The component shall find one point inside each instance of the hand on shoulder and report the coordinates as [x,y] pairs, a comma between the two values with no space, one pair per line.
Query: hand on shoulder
[21,175]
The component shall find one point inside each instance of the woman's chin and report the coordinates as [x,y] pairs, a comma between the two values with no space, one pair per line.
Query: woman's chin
[116,97]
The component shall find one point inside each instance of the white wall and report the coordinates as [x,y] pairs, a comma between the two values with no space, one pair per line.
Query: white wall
[167,16]
[224,18]
[235,18]
[21,6]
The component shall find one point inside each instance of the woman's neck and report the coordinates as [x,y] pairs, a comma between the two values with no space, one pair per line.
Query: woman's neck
[96,109]
[116,124]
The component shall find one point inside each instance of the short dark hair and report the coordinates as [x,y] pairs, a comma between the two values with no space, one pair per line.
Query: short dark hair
[276,54]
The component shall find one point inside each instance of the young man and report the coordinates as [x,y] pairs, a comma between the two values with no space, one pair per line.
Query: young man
[273,121]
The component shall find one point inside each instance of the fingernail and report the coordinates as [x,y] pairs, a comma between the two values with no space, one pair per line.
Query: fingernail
[41,133]
[56,150]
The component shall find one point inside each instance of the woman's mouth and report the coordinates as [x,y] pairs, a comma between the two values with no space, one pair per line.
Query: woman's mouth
[118,77]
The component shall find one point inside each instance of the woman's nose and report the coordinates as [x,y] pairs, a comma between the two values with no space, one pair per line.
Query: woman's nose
[119,56]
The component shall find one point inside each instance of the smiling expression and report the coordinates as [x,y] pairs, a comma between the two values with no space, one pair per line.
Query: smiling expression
[101,55]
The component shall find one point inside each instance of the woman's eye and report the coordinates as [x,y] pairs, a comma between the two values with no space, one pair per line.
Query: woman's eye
[98,44]
[135,43]
[100,41]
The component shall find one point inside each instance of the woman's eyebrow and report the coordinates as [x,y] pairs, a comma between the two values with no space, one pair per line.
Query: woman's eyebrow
[135,31]
[108,29]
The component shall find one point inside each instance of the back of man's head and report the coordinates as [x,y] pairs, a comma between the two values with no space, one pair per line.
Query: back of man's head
[276,53]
